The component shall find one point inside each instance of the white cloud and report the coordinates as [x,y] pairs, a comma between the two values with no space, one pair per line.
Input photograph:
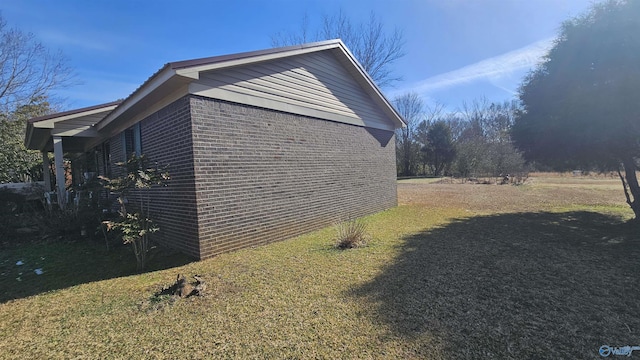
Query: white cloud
[493,69]
[99,43]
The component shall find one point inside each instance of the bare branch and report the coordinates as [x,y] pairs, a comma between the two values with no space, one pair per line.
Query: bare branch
[373,47]
[434,112]
[410,107]
[28,69]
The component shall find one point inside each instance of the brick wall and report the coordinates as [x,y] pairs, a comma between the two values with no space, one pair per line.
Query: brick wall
[116,149]
[264,176]
[166,139]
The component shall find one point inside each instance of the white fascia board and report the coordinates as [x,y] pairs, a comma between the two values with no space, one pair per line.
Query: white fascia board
[50,123]
[194,71]
[390,110]
[83,131]
[138,95]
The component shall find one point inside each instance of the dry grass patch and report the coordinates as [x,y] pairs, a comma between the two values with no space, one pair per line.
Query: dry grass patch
[351,234]
[422,180]
[554,285]
[538,195]
[467,271]
[286,300]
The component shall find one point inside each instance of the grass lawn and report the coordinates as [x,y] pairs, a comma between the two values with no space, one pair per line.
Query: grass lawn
[455,271]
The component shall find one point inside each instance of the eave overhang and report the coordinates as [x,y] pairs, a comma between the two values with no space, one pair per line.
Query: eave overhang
[78,124]
[87,127]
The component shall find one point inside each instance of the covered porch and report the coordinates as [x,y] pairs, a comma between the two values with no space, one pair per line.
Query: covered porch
[67,132]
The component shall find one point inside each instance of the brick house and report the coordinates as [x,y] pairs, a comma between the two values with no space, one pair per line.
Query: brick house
[261,146]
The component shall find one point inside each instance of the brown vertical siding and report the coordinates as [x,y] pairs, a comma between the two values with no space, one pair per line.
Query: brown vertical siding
[264,175]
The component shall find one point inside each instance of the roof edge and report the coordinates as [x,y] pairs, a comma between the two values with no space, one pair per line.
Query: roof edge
[31,122]
[372,83]
[73,112]
[243,55]
[171,69]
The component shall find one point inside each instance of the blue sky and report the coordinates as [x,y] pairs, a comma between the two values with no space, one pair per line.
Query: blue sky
[457,50]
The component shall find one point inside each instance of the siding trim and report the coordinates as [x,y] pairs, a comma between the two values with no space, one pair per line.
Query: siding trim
[267,103]
[315,85]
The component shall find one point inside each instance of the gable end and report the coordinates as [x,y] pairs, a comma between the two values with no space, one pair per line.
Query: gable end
[314,84]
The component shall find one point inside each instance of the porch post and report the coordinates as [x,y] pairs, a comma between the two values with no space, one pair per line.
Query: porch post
[46,171]
[59,162]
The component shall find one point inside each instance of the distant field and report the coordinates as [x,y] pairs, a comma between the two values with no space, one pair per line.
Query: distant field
[609,181]
[540,192]
[420,181]
[549,269]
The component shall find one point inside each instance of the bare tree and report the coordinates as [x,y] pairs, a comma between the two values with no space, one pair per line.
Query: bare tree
[435,111]
[483,139]
[28,70]
[374,47]
[432,113]
[302,36]
[410,107]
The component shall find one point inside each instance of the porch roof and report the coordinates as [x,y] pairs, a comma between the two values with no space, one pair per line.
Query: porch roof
[75,126]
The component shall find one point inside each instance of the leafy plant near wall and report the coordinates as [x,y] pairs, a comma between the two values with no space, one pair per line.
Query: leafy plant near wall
[134,221]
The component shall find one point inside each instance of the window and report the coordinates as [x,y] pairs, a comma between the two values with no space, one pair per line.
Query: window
[132,142]
[106,159]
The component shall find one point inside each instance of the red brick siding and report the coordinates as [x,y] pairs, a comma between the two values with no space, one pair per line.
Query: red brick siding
[264,176]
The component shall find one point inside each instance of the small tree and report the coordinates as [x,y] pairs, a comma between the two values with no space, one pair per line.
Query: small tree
[410,107]
[28,70]
[17,164]
[422,142]
[440,150]
[136,225]
[580,105]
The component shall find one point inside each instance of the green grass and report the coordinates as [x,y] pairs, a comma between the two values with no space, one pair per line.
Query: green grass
[434,281]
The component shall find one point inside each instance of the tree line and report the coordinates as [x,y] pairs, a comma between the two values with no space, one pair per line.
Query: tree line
[474,141]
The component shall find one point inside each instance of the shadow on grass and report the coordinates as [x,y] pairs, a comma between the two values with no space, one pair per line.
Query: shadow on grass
[526,285]
[30,269]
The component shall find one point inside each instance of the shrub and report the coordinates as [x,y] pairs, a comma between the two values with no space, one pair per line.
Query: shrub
[10,201]
[134,222]
[81,216]
[351,234]
[58,223]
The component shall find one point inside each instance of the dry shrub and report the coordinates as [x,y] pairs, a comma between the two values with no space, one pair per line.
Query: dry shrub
[351,234]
